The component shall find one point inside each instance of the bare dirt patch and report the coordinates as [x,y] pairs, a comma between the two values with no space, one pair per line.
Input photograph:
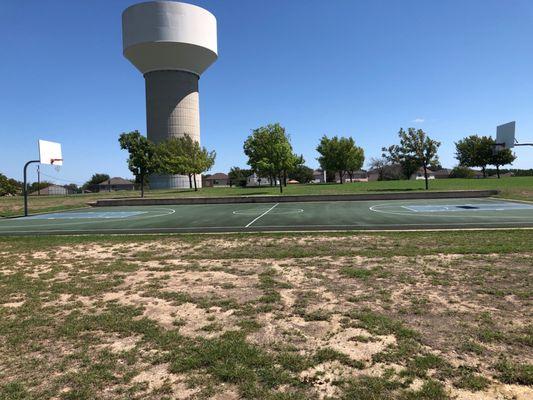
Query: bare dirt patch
[163,318]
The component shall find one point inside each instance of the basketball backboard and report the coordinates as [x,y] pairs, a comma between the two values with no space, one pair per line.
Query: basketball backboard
[50,153]
[505,135]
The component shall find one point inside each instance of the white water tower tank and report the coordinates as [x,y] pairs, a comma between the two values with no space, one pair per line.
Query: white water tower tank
[171,44]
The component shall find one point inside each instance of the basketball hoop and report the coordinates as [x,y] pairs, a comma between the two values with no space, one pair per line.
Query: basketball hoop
[56,163]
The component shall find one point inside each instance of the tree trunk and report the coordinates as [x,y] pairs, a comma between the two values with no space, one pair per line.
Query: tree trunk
[285,178]
[142,185]
[190,181]
[195,187]
[340,175]
[498,171]
[426,177]
[280,184]
[484,173]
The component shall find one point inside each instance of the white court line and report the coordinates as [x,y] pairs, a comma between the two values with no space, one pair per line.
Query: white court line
[262,215]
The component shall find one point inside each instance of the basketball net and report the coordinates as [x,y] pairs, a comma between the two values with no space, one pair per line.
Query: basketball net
[57,167]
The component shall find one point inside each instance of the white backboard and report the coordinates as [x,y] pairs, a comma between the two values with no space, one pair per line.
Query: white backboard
[50,152]
[505,134]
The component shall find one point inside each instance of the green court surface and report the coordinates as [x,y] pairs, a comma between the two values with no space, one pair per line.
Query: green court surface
[249,217]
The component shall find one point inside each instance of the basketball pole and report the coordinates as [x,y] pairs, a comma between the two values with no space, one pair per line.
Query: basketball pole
[25,187]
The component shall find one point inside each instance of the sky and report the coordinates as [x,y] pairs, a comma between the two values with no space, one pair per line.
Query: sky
[341,67]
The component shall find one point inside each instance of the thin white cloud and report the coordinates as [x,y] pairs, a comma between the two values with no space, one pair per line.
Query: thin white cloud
[418,120]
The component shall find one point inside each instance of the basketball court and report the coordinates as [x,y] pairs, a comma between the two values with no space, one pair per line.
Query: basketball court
[250,217]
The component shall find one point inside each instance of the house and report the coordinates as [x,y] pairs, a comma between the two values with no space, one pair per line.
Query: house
[442,173]
[319,176]
[52,190]
[114,184]
[357,176]
[255,180]
[218,179]
[420,174]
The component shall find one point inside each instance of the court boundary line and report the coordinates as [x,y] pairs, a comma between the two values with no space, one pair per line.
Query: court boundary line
[103,220]
[374,208]
[413,207]
[511,200]
[262,215]
[132,214]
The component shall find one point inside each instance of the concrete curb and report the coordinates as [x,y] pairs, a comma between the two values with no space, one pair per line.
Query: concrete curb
[456,194]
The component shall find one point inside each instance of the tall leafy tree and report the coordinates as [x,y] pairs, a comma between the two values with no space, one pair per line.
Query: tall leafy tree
[9,186]
[142,160]
[201,160]
[475,151]
[270,153]
[502,157]
[238,176]
[355,159]
[95,180]
[416,149]
[184,156]
[340,155]
[394,155]
[302,174]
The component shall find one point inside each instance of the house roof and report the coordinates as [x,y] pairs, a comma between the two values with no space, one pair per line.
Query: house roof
[49,188]
[442,172]
[218,175]
[115,181]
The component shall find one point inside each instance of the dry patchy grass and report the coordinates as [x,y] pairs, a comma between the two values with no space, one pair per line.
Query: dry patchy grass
[230,317]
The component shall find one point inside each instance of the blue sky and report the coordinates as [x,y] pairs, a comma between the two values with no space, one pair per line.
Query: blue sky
[341,67]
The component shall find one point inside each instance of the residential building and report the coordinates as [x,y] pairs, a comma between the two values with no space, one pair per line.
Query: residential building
[218,179]
[114,184]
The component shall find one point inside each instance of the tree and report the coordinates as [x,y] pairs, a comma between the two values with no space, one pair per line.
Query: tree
[202,160]
[394,155]
[355,159]
[340,155]
[238,176]
[379,164]
[416,149]
[9,186]
[461,172]
[475,151]
[502,157]
[142,160]
[270,153]
[95,180]
[302,174]
[184,156]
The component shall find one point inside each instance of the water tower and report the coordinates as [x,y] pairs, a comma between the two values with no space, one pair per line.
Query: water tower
[172,44]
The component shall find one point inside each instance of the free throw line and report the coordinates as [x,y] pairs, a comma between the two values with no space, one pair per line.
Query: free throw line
[262,215]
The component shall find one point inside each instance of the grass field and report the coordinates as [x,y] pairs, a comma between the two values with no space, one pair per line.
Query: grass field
[520,188]
[413,315]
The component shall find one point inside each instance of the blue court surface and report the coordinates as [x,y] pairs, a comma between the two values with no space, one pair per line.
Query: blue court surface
[249,217]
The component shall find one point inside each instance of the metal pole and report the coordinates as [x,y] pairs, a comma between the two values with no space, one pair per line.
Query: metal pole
[25,187]
[38,180]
